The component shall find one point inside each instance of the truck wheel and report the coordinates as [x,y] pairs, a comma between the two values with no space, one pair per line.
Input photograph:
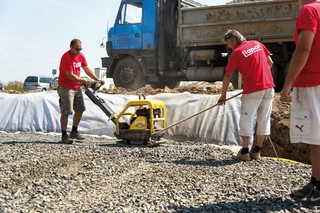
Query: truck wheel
[170,16]
[128,74]
[157,85]
[172,84]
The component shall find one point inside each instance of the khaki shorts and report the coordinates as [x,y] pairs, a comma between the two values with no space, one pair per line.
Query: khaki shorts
[70,100]
[305,115]
[259,105]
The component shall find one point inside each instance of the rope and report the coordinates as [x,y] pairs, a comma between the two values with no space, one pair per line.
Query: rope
[273,147]
[187,118]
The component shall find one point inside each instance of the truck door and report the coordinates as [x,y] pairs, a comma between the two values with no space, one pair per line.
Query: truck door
[128,26]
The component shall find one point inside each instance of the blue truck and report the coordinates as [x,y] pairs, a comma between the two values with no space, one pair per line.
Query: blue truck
[163,42]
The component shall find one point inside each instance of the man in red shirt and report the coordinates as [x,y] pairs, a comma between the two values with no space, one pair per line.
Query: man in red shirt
[304,77]
[253,61]
[69,90]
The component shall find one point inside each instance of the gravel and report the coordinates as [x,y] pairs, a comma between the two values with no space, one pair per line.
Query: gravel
[39,175]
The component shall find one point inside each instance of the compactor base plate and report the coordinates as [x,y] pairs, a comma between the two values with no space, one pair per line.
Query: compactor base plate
[149,144]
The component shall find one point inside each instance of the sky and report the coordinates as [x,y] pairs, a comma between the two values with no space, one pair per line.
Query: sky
[35,33]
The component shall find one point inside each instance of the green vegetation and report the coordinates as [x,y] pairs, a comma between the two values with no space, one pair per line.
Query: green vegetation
[13,85]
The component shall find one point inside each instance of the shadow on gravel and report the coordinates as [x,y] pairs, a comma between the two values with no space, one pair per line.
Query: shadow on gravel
[30,142]
[259,205]
[42,142]
[111,145]
[209,162]
[128,145]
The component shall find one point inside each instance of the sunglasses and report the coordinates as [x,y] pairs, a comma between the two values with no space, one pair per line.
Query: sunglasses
[228,36]
[77,49]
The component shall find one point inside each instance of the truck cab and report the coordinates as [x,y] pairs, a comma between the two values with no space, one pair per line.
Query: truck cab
[131,40]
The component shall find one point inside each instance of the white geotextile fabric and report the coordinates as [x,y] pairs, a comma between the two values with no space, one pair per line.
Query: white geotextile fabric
[39,112]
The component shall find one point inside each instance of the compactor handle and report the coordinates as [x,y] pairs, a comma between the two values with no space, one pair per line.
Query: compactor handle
[95,86]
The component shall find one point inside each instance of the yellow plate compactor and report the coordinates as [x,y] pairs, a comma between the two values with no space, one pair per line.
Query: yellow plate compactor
[138,122]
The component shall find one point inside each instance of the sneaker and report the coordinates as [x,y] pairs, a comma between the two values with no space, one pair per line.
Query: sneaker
[255,155]
[66,140]
[303,192]
[313,198]
[76,135]
[239,156]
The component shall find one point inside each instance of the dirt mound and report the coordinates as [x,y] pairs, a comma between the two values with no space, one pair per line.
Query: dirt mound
[150,91]
[279,120]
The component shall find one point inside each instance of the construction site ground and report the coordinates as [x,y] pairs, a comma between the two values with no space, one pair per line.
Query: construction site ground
[279,120]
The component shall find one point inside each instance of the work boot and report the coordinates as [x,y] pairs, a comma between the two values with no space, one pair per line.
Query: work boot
[66,140]
[240,156]
[255,155]
[76,135]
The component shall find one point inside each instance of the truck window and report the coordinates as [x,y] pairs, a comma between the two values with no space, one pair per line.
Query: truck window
[131,13]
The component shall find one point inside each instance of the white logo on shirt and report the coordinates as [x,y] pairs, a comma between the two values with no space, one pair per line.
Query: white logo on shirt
[76,64]
[252,50]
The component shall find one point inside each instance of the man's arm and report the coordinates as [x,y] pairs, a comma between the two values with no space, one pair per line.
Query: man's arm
[298,61]
[225,85]
[90,73]
[73,77]
[270,61]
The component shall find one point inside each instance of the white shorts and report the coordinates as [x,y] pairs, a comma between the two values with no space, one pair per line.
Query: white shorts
[305,115]
[256,104]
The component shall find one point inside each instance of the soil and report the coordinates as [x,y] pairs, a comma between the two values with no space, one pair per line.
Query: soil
[277,145]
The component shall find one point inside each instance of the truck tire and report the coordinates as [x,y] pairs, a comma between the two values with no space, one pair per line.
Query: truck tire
[157,85]
[172,84]
[170,16]
[128,74]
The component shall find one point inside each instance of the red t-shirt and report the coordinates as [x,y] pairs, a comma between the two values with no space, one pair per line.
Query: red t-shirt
[71,63]
[309,19]
[250,58]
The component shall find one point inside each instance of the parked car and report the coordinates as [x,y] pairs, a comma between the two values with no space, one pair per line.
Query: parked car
[38,83]
[1,86]
[54,83]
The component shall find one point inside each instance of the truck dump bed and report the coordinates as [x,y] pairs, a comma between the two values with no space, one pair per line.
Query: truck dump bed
[265,21]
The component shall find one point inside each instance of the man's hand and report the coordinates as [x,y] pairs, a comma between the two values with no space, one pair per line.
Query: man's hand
[286,95]
[222,100]
[87,82]
[101,81]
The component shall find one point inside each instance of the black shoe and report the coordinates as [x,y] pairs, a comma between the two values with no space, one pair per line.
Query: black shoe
[303,192]
[66,140]
[313,198]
